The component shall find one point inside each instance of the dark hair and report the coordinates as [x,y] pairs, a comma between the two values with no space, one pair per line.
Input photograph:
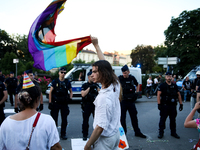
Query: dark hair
[106,74]
[28,96]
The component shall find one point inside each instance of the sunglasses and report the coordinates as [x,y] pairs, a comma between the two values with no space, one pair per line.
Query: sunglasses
[63,72]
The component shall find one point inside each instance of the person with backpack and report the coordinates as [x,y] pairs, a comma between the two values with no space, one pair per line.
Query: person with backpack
[59,99]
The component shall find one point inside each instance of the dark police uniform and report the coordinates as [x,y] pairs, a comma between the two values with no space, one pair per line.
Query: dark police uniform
[11,87]
[128,102]
[2,78]
[88,106]
[167,107]
[2,89]
[60,100]
[18,89]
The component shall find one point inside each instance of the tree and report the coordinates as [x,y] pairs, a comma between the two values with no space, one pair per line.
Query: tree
[22,48]
[7,44]
[7,64]
[144,56]
[183,40]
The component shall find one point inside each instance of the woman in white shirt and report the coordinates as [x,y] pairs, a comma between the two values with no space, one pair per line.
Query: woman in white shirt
[105,135]
[15,131]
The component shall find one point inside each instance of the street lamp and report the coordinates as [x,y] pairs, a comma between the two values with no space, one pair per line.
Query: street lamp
[16,61]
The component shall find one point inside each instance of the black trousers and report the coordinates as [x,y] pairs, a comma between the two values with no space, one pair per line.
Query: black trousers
[11,93]
[2,115]
[88,109]
[64,113]
[168,110]
[130,106]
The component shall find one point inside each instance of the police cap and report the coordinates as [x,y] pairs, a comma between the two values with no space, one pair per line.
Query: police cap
[11,72]
[124,68]
[29,71]
[89,73]
[62,69]
[168,73]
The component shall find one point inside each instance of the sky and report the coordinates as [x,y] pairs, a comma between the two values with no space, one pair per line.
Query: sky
[118,25]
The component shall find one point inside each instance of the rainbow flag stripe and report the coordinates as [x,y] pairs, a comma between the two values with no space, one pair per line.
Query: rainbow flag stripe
[47,53]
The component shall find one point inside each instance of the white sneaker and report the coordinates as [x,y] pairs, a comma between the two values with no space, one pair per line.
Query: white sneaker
[149,97]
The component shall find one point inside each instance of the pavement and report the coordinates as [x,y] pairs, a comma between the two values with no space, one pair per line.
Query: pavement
[148,119]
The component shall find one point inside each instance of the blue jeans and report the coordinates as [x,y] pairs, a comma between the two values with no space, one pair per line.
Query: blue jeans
[185,94]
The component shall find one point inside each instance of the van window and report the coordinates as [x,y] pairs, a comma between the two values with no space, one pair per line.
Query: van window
[76,75]
[191,75]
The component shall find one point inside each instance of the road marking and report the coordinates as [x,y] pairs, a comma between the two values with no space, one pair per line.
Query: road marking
[9,111]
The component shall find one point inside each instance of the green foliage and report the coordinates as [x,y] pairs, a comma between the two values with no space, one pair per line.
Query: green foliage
[79,61]
[157,69]
[144,56]
[183,40]
[7,44]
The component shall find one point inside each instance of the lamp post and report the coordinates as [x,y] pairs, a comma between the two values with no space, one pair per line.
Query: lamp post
[16,61]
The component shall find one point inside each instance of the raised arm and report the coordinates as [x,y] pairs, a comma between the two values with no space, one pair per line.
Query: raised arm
[98,50]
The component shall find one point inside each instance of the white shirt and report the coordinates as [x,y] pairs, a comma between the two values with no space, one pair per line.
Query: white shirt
[155,81]
[150,81]
[107,110]
[14,135]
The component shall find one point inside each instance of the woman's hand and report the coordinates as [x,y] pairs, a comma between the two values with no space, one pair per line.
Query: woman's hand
[94,40]
[87,147]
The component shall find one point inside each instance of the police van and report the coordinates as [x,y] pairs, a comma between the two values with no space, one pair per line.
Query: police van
[73,76]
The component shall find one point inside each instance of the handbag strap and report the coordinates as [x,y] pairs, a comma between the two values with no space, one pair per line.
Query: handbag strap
[34,125]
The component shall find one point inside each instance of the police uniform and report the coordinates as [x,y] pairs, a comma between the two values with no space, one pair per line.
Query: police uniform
[60,100]
[11,87]
[2,89]
[167,107]
[87,105]
[128,102]
[2,78]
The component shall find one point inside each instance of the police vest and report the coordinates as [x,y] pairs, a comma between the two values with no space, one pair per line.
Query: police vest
[60,92]
[128,88]
[92,94]
[171,95]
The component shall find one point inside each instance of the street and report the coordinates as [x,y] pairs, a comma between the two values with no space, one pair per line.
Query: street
[148,117]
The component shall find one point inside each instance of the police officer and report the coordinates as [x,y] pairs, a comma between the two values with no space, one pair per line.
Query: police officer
[128,83]
[31,76]
[18,89]
[3,97]
[89,91]
[59,99]
[11,84]
[2,78]
[167,97]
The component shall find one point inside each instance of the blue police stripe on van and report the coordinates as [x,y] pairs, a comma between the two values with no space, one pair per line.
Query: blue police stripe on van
[76,89]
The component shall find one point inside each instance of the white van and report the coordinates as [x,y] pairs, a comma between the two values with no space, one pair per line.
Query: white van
[73,76]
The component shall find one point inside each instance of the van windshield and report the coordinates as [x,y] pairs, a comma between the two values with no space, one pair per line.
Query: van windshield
[191,75]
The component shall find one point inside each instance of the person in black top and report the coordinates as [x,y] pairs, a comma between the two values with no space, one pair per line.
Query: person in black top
[3,97]
[187,87]
[81,76]
[31,76]
[2,78]
[59,99]
[89,91]
[167,97]
[11,84]
[128,83]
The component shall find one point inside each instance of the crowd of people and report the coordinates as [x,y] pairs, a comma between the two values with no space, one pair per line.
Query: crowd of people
[30,129]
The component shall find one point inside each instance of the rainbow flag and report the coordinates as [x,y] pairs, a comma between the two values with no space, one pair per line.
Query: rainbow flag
[47,53]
